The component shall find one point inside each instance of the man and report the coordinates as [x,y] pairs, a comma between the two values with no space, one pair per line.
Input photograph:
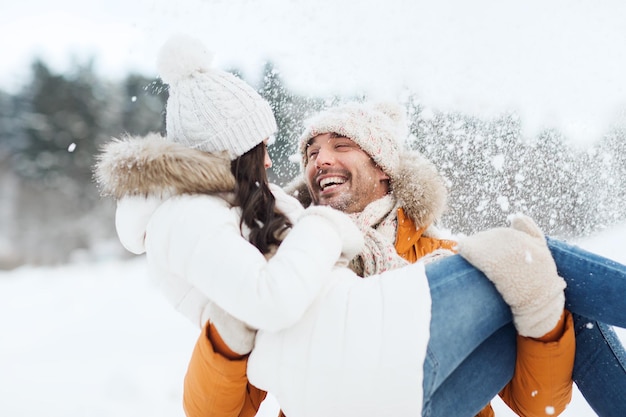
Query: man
[353,161]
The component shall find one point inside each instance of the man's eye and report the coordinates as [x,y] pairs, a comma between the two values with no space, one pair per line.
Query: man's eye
[312,154]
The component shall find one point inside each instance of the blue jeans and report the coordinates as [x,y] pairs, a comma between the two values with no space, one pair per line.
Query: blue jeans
[596,295]
[472,347]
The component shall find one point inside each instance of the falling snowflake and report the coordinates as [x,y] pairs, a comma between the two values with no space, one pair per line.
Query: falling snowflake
[528,258]
[498,162]
[503,202]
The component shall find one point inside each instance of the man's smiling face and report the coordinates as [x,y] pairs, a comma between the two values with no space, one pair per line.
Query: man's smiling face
[340,174]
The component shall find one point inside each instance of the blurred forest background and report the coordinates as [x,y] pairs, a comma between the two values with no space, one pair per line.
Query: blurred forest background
[51,130]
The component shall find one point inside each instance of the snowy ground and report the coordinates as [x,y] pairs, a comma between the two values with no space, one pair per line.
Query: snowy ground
[96,339]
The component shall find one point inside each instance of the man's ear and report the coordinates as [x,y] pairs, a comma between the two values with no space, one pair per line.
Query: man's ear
[382,175]
[383,178]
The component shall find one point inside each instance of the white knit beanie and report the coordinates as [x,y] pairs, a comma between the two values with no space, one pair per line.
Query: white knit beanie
[209,109]
[378,128]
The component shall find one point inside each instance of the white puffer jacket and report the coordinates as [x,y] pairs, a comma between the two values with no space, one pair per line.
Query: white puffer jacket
[330,343]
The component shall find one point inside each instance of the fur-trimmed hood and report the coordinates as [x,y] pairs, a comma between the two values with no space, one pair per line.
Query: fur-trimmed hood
[153,166]
[418,186]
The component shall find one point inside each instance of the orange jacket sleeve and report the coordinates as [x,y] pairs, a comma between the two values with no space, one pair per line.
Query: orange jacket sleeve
[543,369]
[217,386]
[542,383]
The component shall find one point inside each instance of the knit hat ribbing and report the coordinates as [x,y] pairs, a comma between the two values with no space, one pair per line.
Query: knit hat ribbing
[378,129]
[209,109]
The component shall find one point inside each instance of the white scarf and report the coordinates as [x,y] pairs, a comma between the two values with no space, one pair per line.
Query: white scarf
[378,222]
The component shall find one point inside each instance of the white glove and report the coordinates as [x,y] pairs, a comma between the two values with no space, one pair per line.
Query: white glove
[286,204]
[352,242]
[517,260]
[237,335]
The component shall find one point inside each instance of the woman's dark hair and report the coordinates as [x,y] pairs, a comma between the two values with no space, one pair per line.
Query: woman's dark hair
[257,202]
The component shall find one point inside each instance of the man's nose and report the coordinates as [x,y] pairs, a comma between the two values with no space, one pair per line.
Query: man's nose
[324,158]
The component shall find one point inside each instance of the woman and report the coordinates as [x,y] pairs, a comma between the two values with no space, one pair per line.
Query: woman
[207,235]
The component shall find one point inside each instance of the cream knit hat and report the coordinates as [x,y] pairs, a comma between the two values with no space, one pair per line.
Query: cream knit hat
[378,128]
[209,109]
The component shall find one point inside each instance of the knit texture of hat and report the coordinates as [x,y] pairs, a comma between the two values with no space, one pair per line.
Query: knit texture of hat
[378,129]
[209,109]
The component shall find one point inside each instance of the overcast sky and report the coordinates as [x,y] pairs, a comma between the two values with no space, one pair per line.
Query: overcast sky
[558,63]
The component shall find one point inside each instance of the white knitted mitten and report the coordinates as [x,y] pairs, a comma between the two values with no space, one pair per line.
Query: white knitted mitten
[237,335]
[286,204]
[352,241]
[517,260]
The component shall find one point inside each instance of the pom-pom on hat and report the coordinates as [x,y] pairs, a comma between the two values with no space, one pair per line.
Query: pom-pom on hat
[209,109]
[378,129]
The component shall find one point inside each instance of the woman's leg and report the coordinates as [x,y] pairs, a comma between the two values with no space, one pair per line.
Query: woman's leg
[467,311]
[600,367]
[478,379]
[595,285]
[595,294]
[471,337]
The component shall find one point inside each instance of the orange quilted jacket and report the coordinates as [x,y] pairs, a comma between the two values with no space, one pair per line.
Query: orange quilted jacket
[216,382]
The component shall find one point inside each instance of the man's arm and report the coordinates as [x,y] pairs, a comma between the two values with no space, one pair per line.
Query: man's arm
[216,383]
[542,383]
[544,365]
